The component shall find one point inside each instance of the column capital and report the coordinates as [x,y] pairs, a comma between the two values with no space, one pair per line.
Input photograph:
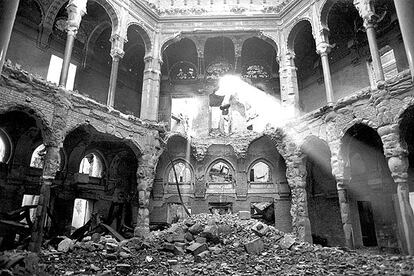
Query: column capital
[323,48]
[117,49]
[76,10]
[367,11]
[152,64]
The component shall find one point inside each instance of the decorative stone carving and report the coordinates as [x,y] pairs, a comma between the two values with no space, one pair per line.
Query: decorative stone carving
[76,10]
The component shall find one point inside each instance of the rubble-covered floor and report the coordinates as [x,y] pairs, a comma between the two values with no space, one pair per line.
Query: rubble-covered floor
[212,245]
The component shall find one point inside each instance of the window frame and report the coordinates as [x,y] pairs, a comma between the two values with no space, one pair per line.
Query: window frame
[269,165]
[100,156]
[231,168]
[169,170]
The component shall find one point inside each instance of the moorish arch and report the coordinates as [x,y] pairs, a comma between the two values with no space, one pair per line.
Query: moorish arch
[180,60]
[92,39]
[301,45]
[52,11]
[144,34]
[370,188]
[322,196]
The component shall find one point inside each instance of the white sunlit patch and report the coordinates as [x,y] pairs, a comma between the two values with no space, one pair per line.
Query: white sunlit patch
[262,110]
[53,73]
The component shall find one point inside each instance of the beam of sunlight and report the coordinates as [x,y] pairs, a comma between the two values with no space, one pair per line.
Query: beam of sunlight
[262,110]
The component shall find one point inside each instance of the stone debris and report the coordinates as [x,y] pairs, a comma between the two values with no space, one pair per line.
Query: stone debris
[66,245]
[240,251]
[256,246]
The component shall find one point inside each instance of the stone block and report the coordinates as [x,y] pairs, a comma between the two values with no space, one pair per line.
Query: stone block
[168,247]
[188,236]
[260,229]
[201,257]
[178,237]
[196,229]
[197,248]
[178,250]
[66,245]
[287,241]
[201,240]
[244,215]
[256,246]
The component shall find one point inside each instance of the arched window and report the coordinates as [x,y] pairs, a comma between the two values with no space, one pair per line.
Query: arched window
[184,173]
[91,165]
[37,160]
[5,147]
[260,172]
[220,172]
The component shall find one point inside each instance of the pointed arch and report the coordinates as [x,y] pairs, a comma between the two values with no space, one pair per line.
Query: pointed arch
[144,34]
[294,31]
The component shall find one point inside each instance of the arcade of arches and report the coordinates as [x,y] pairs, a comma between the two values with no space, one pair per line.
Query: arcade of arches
[299,114]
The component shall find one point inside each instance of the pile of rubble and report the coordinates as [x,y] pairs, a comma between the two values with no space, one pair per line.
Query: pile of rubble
[214,245]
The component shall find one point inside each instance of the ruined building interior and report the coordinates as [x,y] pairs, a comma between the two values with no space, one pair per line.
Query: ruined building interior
[297,113]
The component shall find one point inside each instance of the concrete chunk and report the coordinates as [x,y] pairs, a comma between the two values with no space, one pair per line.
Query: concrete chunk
[256,246]
[260,229]
[287,241]
[244,215]
[197,248]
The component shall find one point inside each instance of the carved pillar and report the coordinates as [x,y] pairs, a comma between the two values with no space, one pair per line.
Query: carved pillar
[398,164]
[151,89]
[76,9]
[7,16]
[237,58]
[367,12]
[51,166]
[323,49]
[145,178]
[338,170]
[296,177]
[117,53]
[405,11]
[289,89]
[200,43]
[200,64]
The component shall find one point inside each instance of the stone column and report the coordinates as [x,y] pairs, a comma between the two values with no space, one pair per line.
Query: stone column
[338,171]
[76,9]
[151,89]
[289,89]
[8,12]
[200,65]
[345,211]
[51,166]
[398,164]
[117,53]
[367,12]
[296,177]
[323,49]
[145,178]
[237,59]
[405,11]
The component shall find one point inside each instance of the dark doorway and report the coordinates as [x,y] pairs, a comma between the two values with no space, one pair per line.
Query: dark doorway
[367,223]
